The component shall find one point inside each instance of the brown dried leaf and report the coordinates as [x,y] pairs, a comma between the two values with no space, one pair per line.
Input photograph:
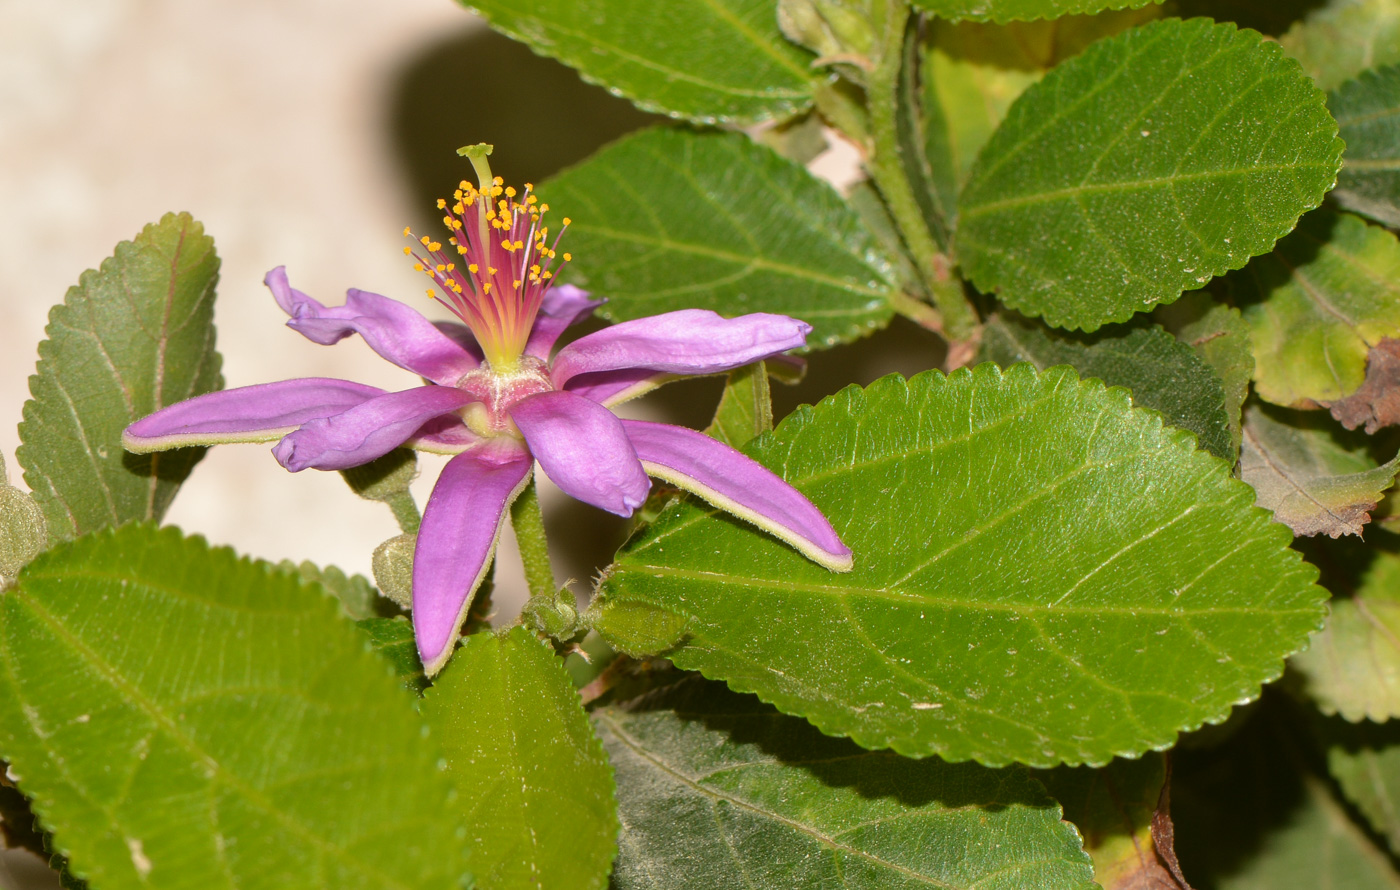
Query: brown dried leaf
[1377,402]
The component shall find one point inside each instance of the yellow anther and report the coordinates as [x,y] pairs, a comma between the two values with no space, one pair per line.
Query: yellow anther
[408,251]
[431,292]
[568,257]
[436,245]
[418,267]
[546,275]
[440,267]
[544,207]
[519,244]
[567,221]
[496,180]
[510,191]
[473,268]
[406,232]
[451,267]
[442,203]
[425,241]
[486,288]
[490,270]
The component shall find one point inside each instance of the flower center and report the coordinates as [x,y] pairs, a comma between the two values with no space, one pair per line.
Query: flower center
[496,391]
[504,263]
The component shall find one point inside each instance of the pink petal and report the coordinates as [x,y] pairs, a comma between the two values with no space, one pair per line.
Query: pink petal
[461,524]
[739,485]
[563,305]
[258,413]
[690,341]
[583,449]
[610,388]
[369,430]
[395,331]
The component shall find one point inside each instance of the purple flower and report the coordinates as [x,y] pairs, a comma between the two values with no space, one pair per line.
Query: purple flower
[498,402]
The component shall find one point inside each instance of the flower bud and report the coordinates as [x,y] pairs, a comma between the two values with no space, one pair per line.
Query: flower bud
[830,28]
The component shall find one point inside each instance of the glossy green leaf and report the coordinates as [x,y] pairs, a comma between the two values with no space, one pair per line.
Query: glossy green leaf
[184,718]
[972,72]
[1352,667]
[1003,11]
[1220,336]
[1315,480]
[1029,551]
[1341,38]
[717,790]
[131,337]
[533,783]
[1161,372]
[1141,168]
[1250,815]
[707,60]
[1113,807]
[673,219]
[1317,304]
[1364,758]
[1367,110]
[745,408]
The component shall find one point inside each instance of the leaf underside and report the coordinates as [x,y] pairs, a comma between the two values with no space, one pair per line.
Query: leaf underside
[1315,480]
[706,60]
[1007,604]
[1002,11]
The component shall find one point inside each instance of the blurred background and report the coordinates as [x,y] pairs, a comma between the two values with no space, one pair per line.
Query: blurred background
[303,133]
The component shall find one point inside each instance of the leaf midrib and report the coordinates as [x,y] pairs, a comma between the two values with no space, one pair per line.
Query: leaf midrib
[825,840]
[172,730]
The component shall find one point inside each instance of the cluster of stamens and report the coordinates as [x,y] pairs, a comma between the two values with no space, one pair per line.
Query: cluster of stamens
[504,263]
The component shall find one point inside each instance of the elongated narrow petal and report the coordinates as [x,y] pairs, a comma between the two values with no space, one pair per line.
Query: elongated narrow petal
[583,448]
[690,341]
[370,429]
[739,485]
[562,306]
[392,329]
[461,524]
[261,413]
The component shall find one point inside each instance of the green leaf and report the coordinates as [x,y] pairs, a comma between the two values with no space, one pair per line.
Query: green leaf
[132,337]
[972,73]
[184,718]
[745,408]
[1315,479]
[1220,336]
[1113,807]
[1140,169]
[1342,38]
[717,790]
[673,219]
[1250,815]
[706,60]
[392,638]
[1002,11]
[1317,304]
[1365,760]
[357,595]
[1367,110]
[533,783]
[23,529]
[1161,372]
[1029,551]
[1352,667]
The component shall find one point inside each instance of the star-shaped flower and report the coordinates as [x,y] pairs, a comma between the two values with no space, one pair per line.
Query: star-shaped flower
[499,403]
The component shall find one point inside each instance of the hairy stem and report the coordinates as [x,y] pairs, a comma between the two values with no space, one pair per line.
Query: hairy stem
[405,512]
[886,166]
[528,522]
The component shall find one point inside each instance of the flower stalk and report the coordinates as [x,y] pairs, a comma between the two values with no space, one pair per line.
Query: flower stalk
[528,522]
